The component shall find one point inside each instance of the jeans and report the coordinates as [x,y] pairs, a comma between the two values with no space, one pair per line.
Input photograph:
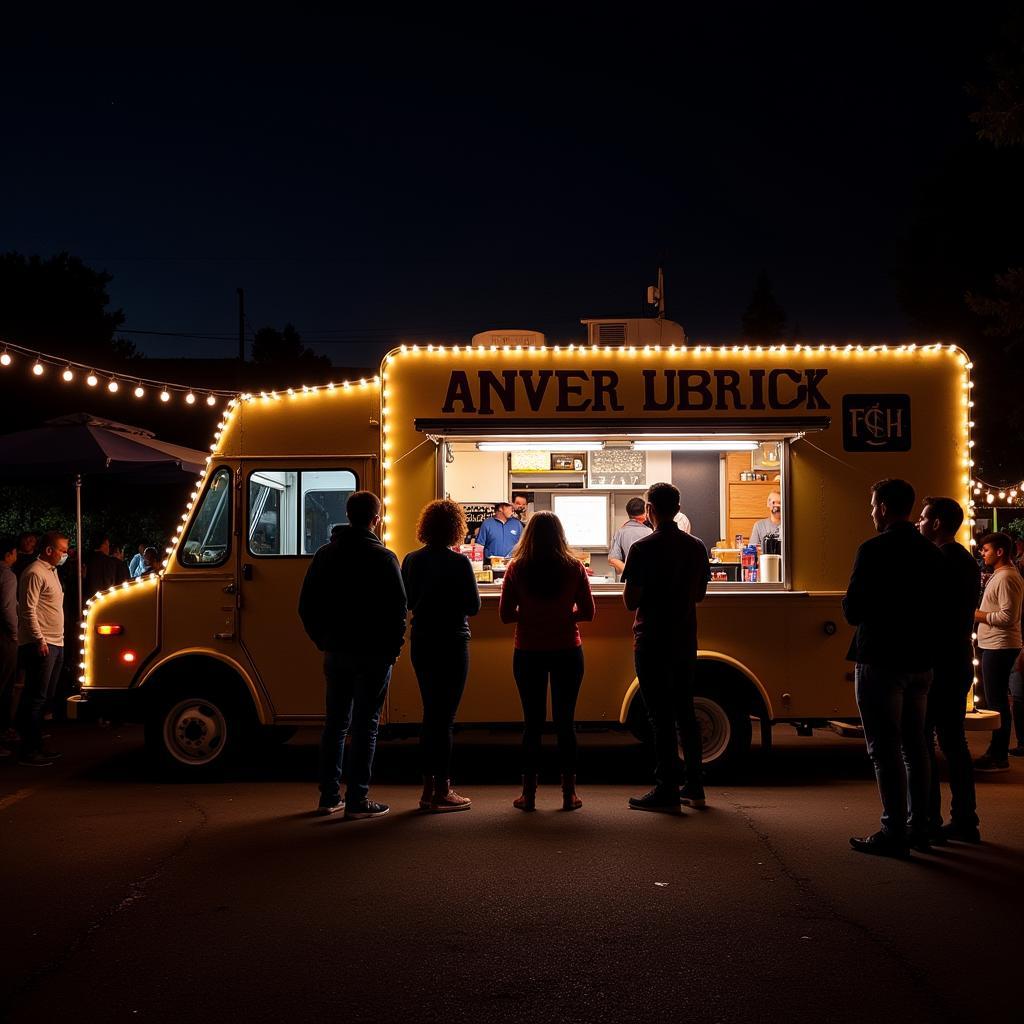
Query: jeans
[666,684]
[893,705]
[947,704]
[41,675]
[8,676]
[996,666]
[531,670]
[441,670]
[356,688]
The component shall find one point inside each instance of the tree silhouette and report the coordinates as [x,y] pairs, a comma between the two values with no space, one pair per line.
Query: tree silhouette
[764,319]
[271,347]
[59,305]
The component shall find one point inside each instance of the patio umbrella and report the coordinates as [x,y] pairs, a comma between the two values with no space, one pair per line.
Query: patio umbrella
[83,445]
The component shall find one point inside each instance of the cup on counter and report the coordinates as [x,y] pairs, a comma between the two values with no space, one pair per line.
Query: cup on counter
[771,568]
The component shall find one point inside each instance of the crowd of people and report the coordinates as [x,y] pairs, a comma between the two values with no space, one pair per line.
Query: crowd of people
[913,650]
[38,595]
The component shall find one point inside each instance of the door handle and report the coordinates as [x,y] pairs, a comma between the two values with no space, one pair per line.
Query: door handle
[247,571]
[224,636]
[230,588]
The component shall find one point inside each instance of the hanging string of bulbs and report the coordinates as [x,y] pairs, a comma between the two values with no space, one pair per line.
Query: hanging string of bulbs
[1012,493]
[69,371]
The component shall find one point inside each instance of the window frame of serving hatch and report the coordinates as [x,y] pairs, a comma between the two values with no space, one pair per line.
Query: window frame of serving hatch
[783,437]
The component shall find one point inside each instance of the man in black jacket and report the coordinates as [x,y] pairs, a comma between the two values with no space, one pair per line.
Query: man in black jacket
[894,599]
[353,607]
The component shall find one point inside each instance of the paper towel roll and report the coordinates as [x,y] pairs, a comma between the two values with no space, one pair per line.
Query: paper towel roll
[771,568]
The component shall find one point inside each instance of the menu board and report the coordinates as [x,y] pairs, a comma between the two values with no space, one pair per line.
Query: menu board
[618,467]
[584,518]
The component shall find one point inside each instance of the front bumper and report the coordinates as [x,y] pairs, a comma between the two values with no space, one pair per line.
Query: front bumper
[117,705]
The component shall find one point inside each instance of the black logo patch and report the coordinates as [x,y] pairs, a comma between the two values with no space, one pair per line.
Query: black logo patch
[876,423]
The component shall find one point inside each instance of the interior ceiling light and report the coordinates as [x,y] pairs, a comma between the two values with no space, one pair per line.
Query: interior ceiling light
[540,446]
[695,446]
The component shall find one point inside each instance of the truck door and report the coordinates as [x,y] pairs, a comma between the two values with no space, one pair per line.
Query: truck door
[290,508]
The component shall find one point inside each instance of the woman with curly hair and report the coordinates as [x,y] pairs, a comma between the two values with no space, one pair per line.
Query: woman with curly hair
[442,594]
[545,593]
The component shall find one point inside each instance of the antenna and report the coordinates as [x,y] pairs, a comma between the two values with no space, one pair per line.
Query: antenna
[656,295]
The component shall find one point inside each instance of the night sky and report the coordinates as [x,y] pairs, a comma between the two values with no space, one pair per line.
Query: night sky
[379,181]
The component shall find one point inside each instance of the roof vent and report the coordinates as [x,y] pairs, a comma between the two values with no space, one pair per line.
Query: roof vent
[527,339]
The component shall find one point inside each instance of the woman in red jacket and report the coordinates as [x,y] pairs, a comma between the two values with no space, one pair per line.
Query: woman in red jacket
[545,593]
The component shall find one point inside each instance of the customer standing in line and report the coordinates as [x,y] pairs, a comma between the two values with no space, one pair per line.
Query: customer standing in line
[895,599]
[999,639]
[953,676]
[442,594]
[40,644]
[353,608]
[546,593]
[666,577]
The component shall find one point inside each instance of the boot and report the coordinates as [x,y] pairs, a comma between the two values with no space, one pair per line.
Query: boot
[446,799]
[528,801]
[427,796]
[570,801]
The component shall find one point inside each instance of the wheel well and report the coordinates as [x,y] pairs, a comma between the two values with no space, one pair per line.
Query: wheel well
[205,675]
[736,684]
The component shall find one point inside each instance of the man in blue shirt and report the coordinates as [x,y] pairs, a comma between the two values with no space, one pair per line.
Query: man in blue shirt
[501,533]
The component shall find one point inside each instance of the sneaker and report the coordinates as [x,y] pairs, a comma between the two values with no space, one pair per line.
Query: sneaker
[692,798]
[51,755]
[1017,751]
[656,800]
[34,761]
[960,833]
[329,806]
[365,809]
[882,844]
[988,763]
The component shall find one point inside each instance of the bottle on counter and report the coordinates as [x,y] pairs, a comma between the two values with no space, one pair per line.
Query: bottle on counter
[749,564]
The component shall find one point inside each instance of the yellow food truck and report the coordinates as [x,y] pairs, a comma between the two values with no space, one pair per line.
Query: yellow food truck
[211,652]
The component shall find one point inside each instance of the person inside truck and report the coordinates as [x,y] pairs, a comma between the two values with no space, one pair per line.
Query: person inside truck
[771,526]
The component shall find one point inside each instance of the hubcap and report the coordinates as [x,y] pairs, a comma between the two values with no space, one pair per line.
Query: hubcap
[715,728]
[195,731]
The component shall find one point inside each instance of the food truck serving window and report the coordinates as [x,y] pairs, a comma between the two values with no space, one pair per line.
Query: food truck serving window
[732,489]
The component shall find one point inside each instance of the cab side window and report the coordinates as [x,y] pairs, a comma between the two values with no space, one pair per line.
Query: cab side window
[208,541]
[293,512]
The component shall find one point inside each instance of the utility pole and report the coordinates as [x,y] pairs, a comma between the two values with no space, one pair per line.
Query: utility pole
[661,294]
[241,325]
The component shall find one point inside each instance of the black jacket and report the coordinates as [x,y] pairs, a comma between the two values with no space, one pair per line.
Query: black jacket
[896,597]
[442,592]
[352,598]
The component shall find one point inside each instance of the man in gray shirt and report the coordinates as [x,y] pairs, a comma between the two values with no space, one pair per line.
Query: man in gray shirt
[8,632]
[631,531]
[772,525]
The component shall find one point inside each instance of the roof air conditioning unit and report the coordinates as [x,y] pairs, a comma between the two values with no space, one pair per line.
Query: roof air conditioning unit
[639,331]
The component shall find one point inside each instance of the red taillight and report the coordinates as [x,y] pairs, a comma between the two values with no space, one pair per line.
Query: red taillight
[128,657]
[109,629]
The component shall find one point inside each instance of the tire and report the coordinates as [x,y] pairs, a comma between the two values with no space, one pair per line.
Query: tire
[723,719]
[196,731]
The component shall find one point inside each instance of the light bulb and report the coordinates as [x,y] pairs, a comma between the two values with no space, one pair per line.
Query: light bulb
[190,398]
[5,358]
[112,386]
[92,380]
[68,375]
[211,399]
[165,395]
[139,391]
[38,368]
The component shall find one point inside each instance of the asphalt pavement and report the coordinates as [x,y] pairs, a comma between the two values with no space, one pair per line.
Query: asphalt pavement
[132,898]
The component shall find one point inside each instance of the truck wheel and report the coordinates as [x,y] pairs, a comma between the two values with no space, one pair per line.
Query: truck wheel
[724,725]
[195,734]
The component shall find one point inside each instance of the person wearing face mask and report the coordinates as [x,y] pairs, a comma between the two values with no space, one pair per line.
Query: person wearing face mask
[40,644]
[771,526]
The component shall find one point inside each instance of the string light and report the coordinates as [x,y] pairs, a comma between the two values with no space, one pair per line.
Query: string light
[165,395]
[112,386]
[68,375]
[92,380]
[139,390]
[5,358]
[38,369]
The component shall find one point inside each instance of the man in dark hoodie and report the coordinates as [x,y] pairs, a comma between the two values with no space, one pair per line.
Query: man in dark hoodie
[353,607]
